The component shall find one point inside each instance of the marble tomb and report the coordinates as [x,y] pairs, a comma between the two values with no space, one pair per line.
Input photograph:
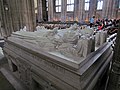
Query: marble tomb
[65,59]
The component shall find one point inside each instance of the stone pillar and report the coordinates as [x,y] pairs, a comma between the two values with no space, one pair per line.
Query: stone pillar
[16,14]
[40,15]
[118,9]
[9,17]
[50,10]
[63,10]
[0,13]
[115,6]
[76,8]
[29,14]
[92,8]
[20,10]
[3,21]
[110,8]
[81,10]
[0,20]
[106,6]
[13,10]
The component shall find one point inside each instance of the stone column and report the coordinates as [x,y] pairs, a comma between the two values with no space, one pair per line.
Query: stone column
[9,17]
[106,7]
[92,8]
[40,15]
[3,21]
[115,6]
[63,10]
[50,10]
[29,14]
[76,8]
[0,19]
[20,10]
[81,10]
[117,9]
[13,9]
[110,9]
[16,13]
[0,13]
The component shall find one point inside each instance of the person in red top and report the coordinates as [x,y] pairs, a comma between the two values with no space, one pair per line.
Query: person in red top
[100,27]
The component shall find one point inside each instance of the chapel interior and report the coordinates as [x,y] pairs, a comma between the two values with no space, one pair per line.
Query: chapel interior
[59,44]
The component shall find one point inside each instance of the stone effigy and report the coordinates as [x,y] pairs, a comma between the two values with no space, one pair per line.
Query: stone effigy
[100,38]
[82,48]
[40,28]
[70,42]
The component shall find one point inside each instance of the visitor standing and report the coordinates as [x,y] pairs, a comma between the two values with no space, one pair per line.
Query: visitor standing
[92,21]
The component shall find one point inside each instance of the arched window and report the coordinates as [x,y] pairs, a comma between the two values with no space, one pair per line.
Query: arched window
[99,4]
[70,5]
[87,2]
[58,5]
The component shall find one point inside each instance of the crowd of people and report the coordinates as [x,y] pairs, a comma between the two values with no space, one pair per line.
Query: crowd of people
[107,22]
[110,24]
[100,24]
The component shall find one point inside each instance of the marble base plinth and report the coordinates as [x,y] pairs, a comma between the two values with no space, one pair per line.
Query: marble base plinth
[39,69]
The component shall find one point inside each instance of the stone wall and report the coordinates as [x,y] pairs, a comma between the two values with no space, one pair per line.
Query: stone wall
[110,10]
[16,14]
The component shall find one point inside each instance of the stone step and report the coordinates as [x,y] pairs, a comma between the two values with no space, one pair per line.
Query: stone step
[13,81]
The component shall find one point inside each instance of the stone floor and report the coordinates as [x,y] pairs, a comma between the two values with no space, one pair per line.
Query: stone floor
[4,83]
[7,79]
